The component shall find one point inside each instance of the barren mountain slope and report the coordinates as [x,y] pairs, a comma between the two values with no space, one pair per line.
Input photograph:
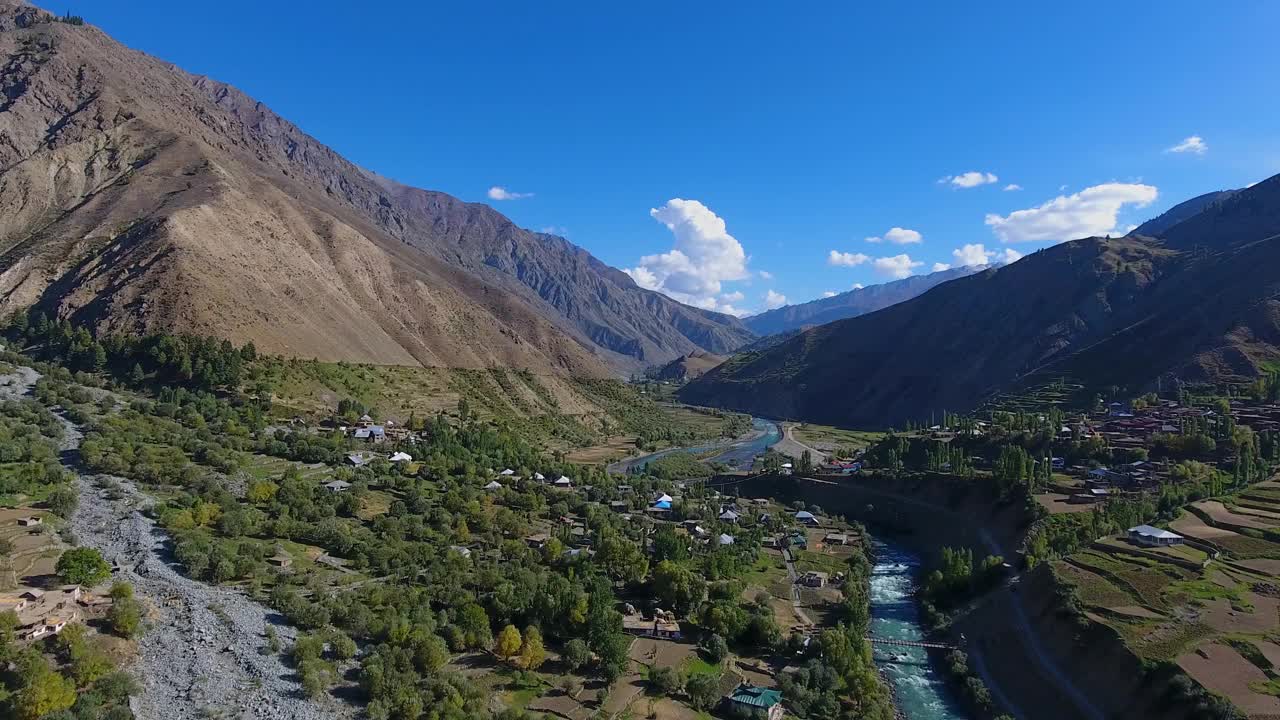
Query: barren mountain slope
[1199,303]
[136,195]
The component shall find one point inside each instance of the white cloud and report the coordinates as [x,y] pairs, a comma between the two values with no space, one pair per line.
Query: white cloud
[829,293]
[774,300]
[1092,211]
[733,297]
[1194,144]
[497,192]
[971,179]
[1012,187]
[705,255]
[1008,255]
[857,286]
[765,275]
[846,259]
[939,267]
[972,254]
[898,236]
[897,266]
[554,230]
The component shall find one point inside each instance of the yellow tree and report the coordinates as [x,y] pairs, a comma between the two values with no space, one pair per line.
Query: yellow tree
[508,645]
[532,653]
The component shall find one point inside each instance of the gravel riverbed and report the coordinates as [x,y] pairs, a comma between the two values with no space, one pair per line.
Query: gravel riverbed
[204,653]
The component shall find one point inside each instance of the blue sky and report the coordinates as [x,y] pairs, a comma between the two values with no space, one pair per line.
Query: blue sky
[804,131]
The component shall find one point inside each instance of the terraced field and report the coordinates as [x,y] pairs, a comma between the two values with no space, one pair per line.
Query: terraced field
[1219,623]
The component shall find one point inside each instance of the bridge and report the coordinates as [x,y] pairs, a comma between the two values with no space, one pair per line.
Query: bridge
[911,643]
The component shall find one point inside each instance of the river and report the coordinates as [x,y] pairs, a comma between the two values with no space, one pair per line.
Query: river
[919,689]
[737,453]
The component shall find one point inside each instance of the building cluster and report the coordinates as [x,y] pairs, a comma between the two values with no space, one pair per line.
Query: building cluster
[46,612]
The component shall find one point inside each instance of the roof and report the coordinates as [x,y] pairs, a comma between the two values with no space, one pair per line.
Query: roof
[493,485]
[748,694]
[1155,532]
[401,457]
[804,515]
[726,539]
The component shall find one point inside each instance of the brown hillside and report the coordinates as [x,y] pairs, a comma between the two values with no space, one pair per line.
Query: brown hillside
[1199,303]
[135,195]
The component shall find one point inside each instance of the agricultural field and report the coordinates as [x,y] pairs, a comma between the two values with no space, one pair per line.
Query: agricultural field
[828,438]
[1219,623]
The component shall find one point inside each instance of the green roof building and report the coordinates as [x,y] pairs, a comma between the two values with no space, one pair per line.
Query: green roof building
[750,701]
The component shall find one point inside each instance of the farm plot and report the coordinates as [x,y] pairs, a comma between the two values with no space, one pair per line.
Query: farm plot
[1223,670]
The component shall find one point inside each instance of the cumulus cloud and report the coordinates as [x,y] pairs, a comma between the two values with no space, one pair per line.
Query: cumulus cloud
[897,266]
[554,230]
[972,254]
[939,267]
[1194,144]
[1006,256]
[705,255]
[846,259]
[497,192]
[1012,187]
[857,286]
[733,297]
[774,300]
[971,179]
[1092,211]
[765,275]
[829,293]
[898,236]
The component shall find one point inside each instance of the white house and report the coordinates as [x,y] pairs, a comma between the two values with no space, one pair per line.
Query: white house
[729,516]
[493,485]
[1153,536]
[400,457]
[338,486]
[563,482]
[806,517]
[725,539]
[507,473]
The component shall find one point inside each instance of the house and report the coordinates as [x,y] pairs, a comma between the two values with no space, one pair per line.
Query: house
[663,625]
[30,521]
[563,482]
[365,420]
[493,485]
[357,459]
[786,468]
[539,477]
[798,539]
[835,539]
[49,626]
[662,498]
[759,703]
[725,539]
[337,486]
[813,579]
[13,603]
[538,541]
[729,516]
[461,550]
[807,518]
[1153,537]
[400,457]
[280,560]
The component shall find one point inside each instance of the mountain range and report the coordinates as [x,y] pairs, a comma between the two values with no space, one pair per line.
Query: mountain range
[1196,298]
[851,303]
[136,196]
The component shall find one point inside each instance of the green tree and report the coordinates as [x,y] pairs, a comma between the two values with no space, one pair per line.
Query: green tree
[62,501]
[665,681]
[576,654]
[83,566]
[125,617]
[44,691]
[703,691]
